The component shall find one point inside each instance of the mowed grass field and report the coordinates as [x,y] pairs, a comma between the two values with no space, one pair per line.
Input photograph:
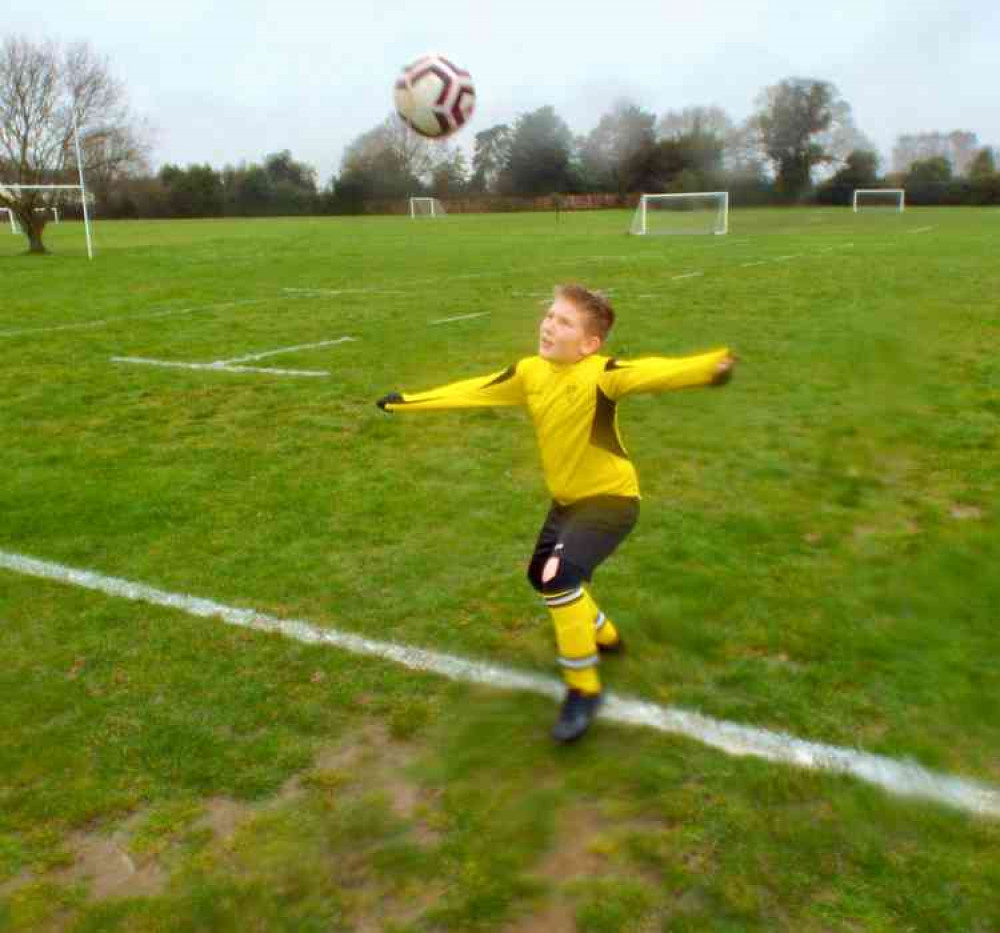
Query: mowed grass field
[817,554]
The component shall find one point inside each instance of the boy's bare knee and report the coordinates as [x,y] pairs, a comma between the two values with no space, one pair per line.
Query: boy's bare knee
[550,569]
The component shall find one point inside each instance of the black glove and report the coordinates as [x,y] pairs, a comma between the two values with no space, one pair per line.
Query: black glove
[392,398]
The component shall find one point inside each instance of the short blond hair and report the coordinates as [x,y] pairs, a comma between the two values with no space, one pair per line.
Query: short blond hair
[597,310]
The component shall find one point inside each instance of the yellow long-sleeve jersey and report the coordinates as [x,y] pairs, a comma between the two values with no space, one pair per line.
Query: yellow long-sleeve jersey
[573,407]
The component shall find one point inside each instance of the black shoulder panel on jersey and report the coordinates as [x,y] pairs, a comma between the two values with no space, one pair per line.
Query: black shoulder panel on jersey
[612,364]
[508,373]
[603,433]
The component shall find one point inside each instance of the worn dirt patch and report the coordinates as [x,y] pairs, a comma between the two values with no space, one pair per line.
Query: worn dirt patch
[105,864]
[380,762]
[965,512]
[575,854]
[224,816]
[367,759]
[556,916]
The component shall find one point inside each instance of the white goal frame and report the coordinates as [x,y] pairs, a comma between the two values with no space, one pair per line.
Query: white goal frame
[10,217]
[900,200]
[639,223]
[83,201]
[437,208]
[82,188]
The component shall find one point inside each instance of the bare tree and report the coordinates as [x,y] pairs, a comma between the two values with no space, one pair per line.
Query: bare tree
[616,153]
[842,138]
[392,139]
[45,91]
[695,121]
[958,147]
[803,123]
[490,156]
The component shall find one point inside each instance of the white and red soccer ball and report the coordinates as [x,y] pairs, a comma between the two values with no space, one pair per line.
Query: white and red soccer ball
[434,97]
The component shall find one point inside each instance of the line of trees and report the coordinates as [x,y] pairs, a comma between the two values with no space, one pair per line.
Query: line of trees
[278,186]
[799,143]
[793,151]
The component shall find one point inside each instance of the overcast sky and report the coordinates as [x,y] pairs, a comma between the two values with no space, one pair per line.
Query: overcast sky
[226,81]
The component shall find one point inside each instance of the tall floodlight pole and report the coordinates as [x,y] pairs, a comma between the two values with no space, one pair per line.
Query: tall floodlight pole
[83,187]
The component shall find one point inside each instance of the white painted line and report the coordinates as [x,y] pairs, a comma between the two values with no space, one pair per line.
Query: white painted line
[759,262]
[327,292]
[920,230]
[107,322]
[686,275]
[303,346]
[460,317]
[788,258]
[898,777]
[215,367]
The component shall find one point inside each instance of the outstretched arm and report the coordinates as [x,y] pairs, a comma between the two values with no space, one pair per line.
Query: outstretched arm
[660,373]
[503,388]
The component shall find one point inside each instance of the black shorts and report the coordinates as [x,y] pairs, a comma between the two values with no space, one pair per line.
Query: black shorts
[584,534]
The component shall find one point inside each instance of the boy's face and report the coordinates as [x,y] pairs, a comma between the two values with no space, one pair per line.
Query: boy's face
[563,335]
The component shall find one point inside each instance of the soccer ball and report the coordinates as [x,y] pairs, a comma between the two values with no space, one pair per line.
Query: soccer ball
[434,97]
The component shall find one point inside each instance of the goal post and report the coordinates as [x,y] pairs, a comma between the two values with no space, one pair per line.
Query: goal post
[85,196]
[56,192]
[6,211]
[892,199]
[700,212]
[426,207]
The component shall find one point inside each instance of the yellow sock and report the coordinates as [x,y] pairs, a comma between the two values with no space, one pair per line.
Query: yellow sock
[573,617]
[604,628]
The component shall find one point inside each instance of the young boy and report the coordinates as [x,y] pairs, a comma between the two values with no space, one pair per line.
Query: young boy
[571,392]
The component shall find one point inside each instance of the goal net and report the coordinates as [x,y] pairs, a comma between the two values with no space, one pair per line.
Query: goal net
[887,199]
[704,212]
[426,207]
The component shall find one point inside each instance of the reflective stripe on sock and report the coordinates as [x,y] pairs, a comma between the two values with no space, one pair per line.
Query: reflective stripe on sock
[578,664]
[563,599]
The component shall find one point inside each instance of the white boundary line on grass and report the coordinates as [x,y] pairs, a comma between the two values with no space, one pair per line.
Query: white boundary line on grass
[227,365]
[216,367]
[898,777]
[303,346]
[333,292]
[460,317]
[921,230]
[107,322]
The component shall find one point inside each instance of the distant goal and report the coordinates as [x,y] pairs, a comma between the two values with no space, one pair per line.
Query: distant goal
[54,195]
[702,212]
[885,199]
[8,214]
[426,207]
